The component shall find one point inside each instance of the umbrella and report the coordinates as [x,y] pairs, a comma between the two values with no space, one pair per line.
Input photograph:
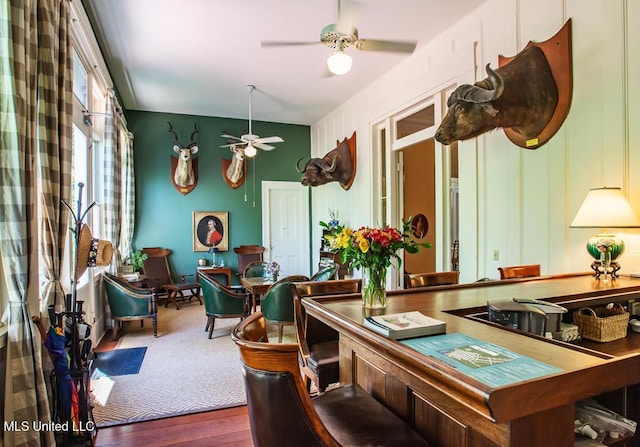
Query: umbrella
[67,393]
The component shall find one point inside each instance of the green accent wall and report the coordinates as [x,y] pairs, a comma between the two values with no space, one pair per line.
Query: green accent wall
[164,215]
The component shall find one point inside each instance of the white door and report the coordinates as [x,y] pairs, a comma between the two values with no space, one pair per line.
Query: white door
[285,226]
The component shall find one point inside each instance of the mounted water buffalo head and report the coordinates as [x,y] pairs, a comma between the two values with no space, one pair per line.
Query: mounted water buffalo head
[521,95]
[336,166]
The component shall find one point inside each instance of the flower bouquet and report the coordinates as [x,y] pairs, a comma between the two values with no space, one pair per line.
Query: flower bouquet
[274,269]
[372,250]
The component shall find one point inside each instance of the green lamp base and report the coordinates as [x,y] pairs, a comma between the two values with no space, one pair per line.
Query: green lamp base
[605,248]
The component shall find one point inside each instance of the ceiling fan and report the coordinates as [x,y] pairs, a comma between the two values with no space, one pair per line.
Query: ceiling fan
[341,35]
[250,141]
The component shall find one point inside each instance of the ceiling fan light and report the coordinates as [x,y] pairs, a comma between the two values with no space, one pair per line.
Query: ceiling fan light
[339,62]
[250,151]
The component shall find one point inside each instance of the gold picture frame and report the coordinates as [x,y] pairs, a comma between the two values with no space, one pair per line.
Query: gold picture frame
[220,232]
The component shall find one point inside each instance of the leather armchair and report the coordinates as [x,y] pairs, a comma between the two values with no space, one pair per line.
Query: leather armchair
[282,414]
[129,303]
[326,273]
[221,302]
[277,303]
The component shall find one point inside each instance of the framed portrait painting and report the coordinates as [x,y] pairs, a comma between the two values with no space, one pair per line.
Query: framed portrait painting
[210,229]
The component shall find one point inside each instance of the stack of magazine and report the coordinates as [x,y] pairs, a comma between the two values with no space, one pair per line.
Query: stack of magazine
[405,325]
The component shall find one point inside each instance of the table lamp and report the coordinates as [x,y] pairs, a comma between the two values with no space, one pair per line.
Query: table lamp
[605,208]
[213,251]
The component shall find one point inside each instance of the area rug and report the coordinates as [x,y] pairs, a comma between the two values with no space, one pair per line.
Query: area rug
[183,371]
[120,362]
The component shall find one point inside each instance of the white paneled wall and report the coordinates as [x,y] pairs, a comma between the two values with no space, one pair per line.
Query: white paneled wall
[516,201]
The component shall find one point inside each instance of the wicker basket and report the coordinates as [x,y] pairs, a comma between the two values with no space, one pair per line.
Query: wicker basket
[602,329]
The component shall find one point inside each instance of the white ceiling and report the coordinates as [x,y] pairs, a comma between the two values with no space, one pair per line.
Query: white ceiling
[196,57]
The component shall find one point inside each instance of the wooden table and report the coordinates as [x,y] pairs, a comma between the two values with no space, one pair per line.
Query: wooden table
[256,286]
[450,408]
[214,270]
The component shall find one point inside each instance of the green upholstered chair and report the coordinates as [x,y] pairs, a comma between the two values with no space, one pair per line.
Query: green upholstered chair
[277,303]
[221,302]
[129,303]
[326,273]
[255,269]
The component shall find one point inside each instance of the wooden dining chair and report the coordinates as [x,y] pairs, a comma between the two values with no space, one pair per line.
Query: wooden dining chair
[519,271]
[318,342]
[412,280]
[247,254]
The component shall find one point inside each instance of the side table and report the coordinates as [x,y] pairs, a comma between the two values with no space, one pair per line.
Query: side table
[215,270]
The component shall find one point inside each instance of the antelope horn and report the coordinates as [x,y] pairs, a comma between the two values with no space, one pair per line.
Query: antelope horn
[175,135]
[195,131]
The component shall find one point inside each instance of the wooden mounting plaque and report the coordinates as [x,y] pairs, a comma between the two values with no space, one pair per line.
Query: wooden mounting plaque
[557,51]
[184,189]
[225,165]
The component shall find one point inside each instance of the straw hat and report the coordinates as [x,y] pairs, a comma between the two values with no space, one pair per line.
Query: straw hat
[92,252]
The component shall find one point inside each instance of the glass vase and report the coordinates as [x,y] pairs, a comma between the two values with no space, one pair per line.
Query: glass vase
[374,287]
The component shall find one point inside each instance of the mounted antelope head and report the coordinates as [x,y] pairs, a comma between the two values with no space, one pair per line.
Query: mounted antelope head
[184,169]
[235,169]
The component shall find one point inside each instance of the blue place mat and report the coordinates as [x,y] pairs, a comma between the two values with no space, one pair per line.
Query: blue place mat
[120,362]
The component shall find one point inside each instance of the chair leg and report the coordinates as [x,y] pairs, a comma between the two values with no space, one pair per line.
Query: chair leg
[213,322]
[155,326]
[206,328]
[116,326]
[307,381]
[280,328]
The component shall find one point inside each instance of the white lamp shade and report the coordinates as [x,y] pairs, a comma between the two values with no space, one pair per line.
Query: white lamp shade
[250,151]
[339,62]
[605,208]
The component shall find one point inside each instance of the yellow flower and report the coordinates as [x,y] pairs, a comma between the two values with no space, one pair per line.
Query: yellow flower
[362,242]
[342,241]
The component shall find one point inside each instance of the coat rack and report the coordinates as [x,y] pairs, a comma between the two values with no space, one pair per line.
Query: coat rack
[70,376]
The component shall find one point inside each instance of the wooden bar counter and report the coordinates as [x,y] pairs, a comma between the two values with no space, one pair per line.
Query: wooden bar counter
[450,408]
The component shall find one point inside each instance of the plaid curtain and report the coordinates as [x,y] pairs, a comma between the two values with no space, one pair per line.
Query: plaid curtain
[55,152]
[33,38]
[112,182]
[128,193]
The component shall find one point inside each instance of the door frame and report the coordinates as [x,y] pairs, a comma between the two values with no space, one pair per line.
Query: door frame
[393,166]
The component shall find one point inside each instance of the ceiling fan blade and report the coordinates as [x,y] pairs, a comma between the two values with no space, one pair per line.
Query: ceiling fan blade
[386,45]
[230,136]
[233,144]
[278,43]
[264,147]
[269,140]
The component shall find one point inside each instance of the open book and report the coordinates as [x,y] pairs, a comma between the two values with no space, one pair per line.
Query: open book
[405,325]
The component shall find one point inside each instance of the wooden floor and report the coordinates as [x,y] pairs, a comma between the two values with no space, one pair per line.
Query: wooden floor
[220,428]
[229,427]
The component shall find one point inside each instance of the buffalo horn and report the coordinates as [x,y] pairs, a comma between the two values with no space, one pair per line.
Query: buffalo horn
[471,93]
[298,165]
[334,163]
[320,163]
